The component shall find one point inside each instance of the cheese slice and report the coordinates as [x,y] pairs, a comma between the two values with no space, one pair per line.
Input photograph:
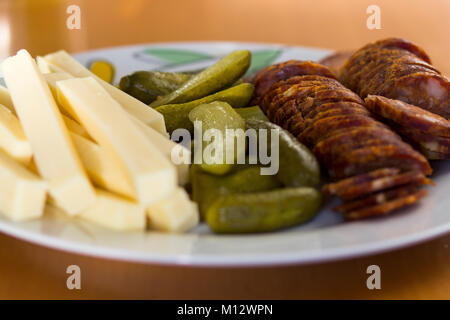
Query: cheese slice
[113,212]
[75,127]
[140,110]
[176,213]
[22,194]
[161,141]
[152,175]
[53,151]
[12,137]
[52,78]
[101,169]
[44,66]
[166,146]
[5,99]
[92,160]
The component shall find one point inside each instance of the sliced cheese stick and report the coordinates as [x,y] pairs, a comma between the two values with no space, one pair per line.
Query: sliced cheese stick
[55,156]
[114,212]
[75,127]
[166,146]
[22,194]
[44,66]
[176,213]
[13,140]
[5,99]
[160,141]
[152,175]
[12,137]
[52,78]
[102,170]
[135,107]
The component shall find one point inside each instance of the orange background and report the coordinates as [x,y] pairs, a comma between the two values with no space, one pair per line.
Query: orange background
[29,271]
[39,25]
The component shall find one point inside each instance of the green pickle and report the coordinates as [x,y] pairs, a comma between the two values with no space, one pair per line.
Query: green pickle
[297,165]
[219,116]
[252,113]
[263,211]
[206,188]
[177,115]
[216,77]
[232,194]
[147,86]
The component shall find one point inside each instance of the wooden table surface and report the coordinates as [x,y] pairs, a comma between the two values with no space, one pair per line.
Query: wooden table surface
[30,271]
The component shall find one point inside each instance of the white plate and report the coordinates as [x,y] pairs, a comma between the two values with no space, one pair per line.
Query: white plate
[327,237]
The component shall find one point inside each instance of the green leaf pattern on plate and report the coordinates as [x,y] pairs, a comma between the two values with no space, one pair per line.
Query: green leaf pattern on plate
[263,58]
[260,58]
[175,56]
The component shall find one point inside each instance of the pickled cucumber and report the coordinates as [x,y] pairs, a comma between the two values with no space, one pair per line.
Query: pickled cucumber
[216,77]
[263,211]
[147,86]
[176,115]
[252,113]
[206,188]
[223,151]
[297,165]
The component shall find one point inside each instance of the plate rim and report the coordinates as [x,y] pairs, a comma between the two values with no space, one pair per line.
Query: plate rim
[204,260]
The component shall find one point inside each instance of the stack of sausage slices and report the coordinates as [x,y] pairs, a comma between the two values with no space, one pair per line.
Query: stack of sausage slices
[358,142]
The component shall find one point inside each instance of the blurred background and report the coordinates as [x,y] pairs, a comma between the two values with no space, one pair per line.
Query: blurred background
[40,25]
